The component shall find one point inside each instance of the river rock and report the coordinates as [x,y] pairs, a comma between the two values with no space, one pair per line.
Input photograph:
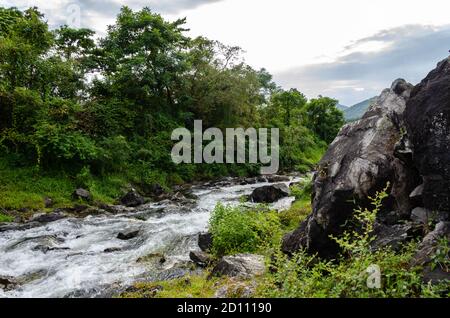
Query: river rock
[270,193]
[82,194]
[128,236]
[242,265]
[7,283]
[205,241]
[132,199]
[427,118]
[48,217]
[276,178]
[359,162]
[201,259]
[112,250]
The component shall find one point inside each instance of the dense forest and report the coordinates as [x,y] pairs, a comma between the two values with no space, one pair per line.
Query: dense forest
[77,110]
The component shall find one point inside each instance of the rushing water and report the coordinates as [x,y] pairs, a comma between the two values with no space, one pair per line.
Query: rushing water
[77,265]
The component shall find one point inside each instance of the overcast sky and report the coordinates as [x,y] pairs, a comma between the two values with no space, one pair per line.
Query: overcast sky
[346,49]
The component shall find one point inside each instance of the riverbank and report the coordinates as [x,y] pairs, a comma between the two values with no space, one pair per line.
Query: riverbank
[94,252]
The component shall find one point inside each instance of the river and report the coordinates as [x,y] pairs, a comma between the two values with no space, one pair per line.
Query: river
[75,264]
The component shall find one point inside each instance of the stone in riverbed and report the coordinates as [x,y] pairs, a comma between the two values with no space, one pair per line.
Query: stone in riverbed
[128,236]
[112,250]
[202,259]
[205,241]
[276,178]
[132,199]
[270,193]
[241,265]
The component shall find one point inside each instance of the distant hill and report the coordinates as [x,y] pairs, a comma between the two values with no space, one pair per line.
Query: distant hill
[341,107]
[355,112]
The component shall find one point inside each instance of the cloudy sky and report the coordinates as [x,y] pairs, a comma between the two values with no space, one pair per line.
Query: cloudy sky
[346,49]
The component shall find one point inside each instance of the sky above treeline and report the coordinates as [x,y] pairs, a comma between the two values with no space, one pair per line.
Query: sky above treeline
[346,49]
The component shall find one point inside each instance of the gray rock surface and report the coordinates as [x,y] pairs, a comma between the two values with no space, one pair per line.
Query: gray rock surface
[241,265]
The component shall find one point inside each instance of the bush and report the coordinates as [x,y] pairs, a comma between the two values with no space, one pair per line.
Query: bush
[237,230]
[306,276]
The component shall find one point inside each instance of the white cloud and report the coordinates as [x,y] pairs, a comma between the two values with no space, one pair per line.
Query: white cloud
[285,36]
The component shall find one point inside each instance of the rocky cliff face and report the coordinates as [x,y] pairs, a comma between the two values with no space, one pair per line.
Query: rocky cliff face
[428,123]
[403,139]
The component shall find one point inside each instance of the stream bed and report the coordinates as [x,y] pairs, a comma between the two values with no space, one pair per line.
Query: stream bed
[67,258]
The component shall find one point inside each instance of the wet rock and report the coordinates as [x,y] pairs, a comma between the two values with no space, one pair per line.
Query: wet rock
[50,241]
[112,250]
[45,249]
[427,118]
[48,217]
[242,265]
[201,259]
[152,258]
[205,241]
[250,180]
[7,283]
[359,162]
[132,199]
[82,194]
[128,236]
[275,178]
[261,179]
[19,227]
[270,193]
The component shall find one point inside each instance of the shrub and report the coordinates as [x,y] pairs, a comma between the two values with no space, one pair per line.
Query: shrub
[306,276]
[237,230]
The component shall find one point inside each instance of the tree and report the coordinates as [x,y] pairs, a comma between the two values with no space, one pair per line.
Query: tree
[323,118]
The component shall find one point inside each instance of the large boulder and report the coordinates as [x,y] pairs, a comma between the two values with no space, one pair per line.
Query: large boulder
[360,161]
[242,265]
[427,118]
[270,193]
[132,199]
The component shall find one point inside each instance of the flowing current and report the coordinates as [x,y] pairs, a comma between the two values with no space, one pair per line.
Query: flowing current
[75,264]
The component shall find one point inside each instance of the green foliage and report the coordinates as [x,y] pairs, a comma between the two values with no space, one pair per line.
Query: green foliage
[357,242]
[323,118]
[306,276]
[5,218]
[238,230]
[68,102]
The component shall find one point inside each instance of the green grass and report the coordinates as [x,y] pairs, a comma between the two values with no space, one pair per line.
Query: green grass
[195,286]
[25,187]
[5,218]
[291,219]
